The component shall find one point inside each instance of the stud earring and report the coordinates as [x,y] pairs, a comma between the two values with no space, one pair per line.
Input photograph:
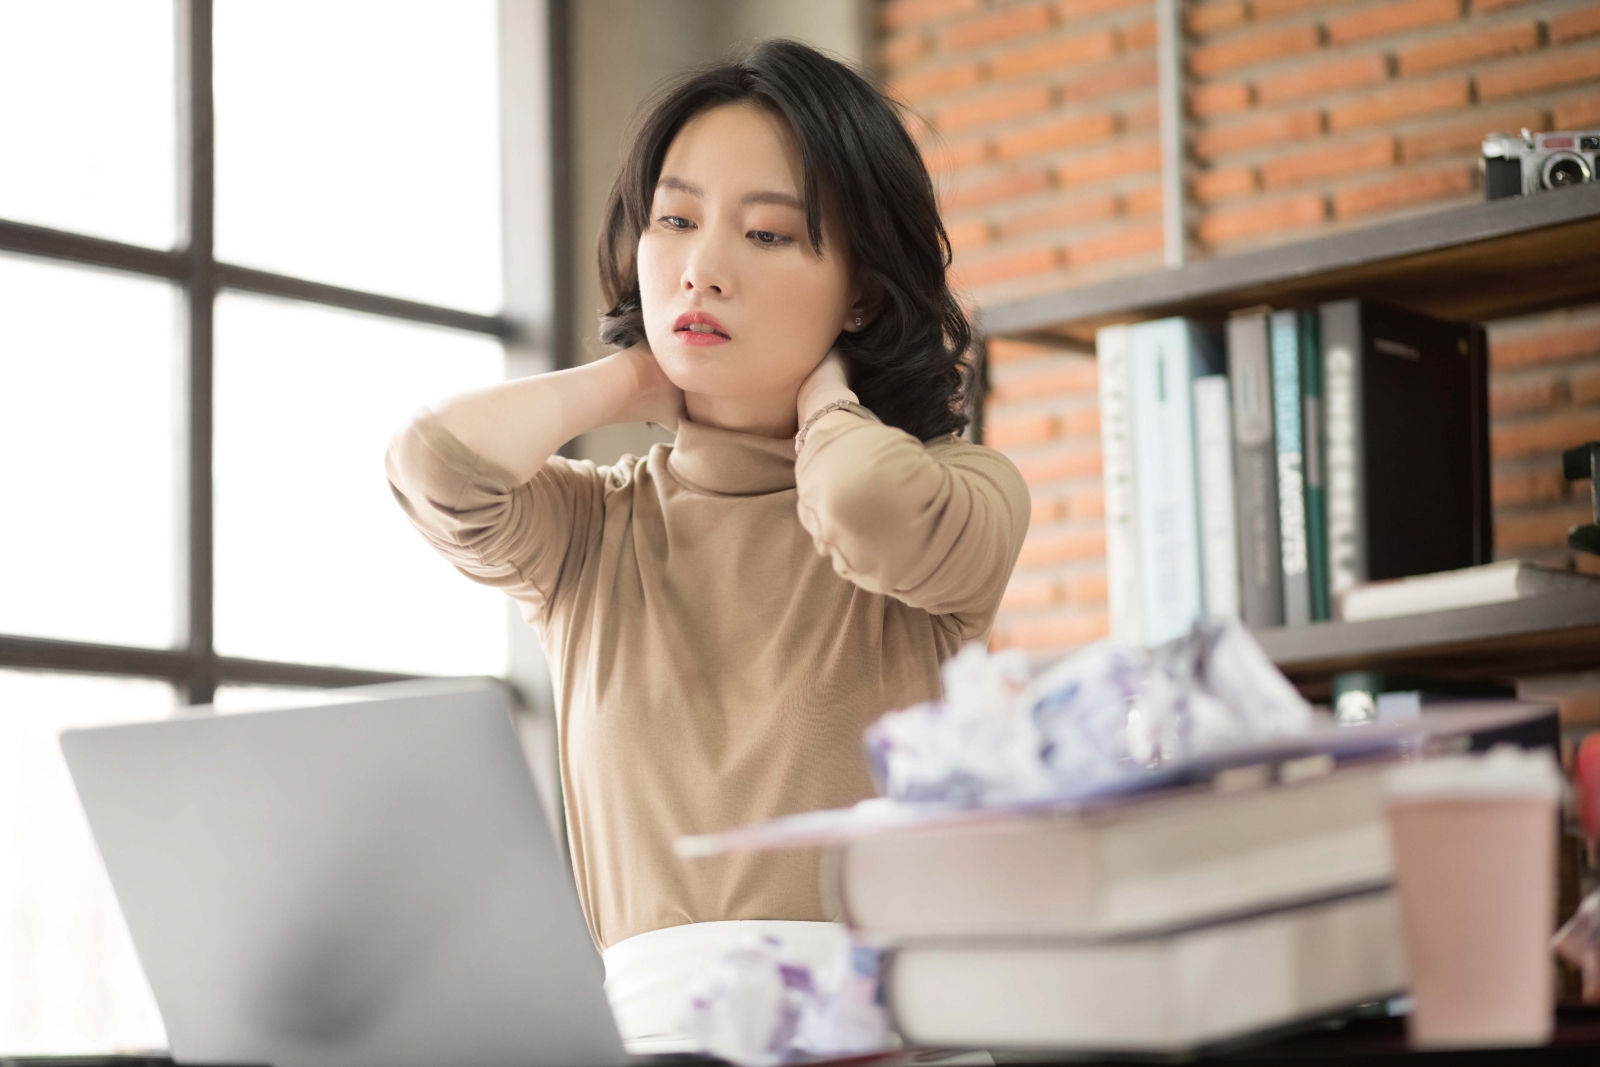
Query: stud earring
[858,320]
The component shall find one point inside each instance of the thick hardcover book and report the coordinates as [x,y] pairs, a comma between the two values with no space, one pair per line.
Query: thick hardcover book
[1219,541]
[1406,399]
[1286,401]
[1174,994]
[1255,465]
[1195,855]
[1312,440]
[1116,454]
[1167,355]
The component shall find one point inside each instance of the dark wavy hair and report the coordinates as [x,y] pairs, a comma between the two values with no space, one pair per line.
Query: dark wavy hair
[906,364]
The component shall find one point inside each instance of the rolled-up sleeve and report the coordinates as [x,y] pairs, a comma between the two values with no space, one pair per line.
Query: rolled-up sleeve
[523,538]
[937,526]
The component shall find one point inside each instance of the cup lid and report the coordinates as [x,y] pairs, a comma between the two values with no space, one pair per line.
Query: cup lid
[1503,771]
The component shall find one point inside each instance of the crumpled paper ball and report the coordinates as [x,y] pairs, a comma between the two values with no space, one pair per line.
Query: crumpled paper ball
[1106,712]
[759,1005]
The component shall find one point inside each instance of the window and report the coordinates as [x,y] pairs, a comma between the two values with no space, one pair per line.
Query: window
[203,355]
[69,980]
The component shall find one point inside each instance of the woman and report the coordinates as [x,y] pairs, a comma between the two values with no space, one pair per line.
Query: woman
[725,616]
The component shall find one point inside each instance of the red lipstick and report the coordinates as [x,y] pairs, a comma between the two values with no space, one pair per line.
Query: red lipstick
[710,332]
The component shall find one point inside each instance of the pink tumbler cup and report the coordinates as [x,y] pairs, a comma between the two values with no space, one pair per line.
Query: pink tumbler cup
[1474,844]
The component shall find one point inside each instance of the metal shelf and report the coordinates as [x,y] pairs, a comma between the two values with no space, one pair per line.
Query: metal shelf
[1480,262]
[1554,634]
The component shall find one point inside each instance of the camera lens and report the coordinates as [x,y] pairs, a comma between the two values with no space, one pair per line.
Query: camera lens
[1590,143]
[1566,172]
[1564,169]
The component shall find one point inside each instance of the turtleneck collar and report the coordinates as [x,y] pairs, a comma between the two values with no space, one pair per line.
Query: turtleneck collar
[729,462]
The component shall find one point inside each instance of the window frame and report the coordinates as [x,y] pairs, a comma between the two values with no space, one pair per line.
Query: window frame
[532,326]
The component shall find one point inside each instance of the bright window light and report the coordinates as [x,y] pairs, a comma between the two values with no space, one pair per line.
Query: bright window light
[69,979]
[316,563]
[232,698]
[89,431]
[87,101]
[358,144]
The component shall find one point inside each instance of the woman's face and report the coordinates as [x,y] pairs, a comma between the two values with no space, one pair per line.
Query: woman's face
[736,302]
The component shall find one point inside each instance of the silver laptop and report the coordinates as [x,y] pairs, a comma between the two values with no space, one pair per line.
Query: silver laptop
[371,881]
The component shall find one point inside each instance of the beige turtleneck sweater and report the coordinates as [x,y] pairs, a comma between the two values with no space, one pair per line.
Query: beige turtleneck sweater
[722,622]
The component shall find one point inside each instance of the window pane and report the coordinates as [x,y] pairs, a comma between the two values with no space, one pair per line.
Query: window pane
[357,143]
[315,562]
[232,697]
[89,376]
[69,979]
[87,117]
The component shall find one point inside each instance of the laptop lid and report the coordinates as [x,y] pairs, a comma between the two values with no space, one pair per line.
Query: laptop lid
[358,883]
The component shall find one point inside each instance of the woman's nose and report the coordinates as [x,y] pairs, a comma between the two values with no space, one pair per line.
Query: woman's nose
[706,271]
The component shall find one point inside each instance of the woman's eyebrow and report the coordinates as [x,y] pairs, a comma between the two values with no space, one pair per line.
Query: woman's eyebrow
[667,181]
[781,199]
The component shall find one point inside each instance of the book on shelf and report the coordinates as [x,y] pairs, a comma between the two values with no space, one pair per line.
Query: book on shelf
[1490,583]
[1116,456]
[1287,406]
[1255,459]
[1155,564]
[1313,439]
[1407,432]
[1165,357]
[1174,993]
[1219,541]
[1358,452]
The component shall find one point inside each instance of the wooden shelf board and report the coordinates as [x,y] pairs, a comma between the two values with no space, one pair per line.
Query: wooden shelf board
[1480,262]
[1552,634]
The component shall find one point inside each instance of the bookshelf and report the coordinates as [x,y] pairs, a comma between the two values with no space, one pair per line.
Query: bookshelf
[1555,634]
[1479,262]
[1482,262]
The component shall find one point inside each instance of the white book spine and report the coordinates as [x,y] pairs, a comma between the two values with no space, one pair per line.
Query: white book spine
[1116,455]
[1164,478]
[1219,540]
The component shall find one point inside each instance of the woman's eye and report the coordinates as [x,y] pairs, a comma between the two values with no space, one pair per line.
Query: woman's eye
[767,237]
[675,222]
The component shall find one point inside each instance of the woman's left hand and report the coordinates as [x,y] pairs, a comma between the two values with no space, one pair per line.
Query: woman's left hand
[824,385]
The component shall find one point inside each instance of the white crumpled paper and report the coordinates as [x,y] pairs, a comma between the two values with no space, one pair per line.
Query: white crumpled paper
[1102,714]
[759,1005]
[1578,942]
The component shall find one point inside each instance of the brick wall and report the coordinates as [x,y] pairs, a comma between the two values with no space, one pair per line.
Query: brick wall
[1038,119]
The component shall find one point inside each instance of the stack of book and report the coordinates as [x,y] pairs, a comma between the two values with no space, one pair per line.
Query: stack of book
[1258,898]
[1225,897]
[1263,469]
[1160,926]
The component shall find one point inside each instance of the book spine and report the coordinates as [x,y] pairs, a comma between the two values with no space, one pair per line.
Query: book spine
[1164,478]
[1313,444]
[1219,542]
[1255,472]
[1291,474]
[1343,433]
[1483,504]
[1116,450]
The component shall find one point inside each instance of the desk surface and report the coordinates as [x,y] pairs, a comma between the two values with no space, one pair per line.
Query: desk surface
[1359,1042]
[1368,1042]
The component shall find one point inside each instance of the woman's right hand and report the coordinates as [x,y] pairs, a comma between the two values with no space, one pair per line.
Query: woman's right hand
[653,398]
[520,423]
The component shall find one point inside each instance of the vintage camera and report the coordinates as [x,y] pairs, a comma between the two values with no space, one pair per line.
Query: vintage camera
[1534,162]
